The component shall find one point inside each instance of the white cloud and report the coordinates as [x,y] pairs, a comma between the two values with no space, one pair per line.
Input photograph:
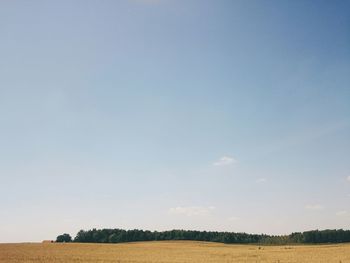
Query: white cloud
[191,210]
[233,218]
[225,160]
[342,213]
[260,180]
[316,207]
[348,178]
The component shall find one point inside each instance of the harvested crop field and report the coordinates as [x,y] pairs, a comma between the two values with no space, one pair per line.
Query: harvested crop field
[177,251]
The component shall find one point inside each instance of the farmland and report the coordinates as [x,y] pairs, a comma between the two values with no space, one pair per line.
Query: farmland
[171,251]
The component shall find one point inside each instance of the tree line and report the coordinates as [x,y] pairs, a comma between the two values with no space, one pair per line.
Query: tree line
[120,235]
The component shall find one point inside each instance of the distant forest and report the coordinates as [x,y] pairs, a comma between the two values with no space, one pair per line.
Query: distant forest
[119,236]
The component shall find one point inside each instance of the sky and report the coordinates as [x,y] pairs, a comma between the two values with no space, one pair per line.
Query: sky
[163,114]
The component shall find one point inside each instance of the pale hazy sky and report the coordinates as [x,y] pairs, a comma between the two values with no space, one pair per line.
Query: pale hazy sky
[162,114]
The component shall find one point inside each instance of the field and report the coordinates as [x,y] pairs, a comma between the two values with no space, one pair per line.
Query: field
[177,251]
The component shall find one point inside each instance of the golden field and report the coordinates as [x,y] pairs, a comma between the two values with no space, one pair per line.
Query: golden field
[172,252]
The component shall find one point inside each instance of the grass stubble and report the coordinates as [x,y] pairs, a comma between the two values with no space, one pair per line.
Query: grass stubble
[171,252]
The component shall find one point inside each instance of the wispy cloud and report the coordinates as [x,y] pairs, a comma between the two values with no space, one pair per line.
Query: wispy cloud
[191,210]
[225,160]
[261,180]
[233,218]
[342,213]
[315,207]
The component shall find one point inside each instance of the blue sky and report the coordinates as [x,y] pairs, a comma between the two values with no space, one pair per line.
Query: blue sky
[161,114]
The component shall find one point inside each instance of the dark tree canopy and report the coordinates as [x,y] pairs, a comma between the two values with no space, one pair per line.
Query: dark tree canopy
[64,238]
[120,235]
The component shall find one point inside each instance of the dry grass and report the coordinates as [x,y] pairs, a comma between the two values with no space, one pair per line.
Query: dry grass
[177,251]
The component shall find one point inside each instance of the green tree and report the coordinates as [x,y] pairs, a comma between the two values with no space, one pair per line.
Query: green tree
[64,238]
